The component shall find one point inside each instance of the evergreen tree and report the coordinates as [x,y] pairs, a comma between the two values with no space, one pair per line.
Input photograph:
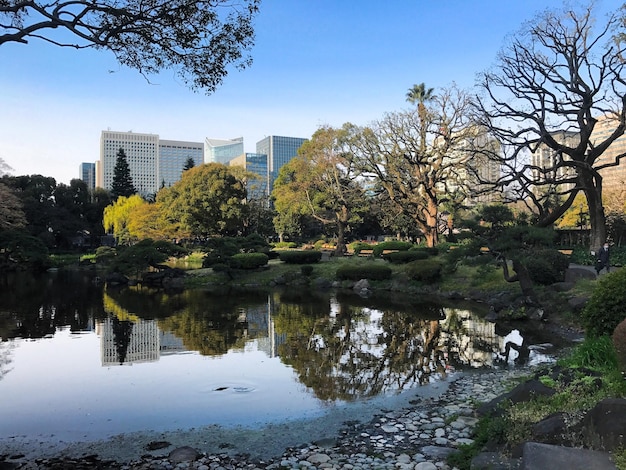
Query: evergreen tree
[189,164]
[122,182]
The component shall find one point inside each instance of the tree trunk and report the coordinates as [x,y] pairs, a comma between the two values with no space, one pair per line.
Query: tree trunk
[430,231]
[597,218]
[521,275]
[342,223]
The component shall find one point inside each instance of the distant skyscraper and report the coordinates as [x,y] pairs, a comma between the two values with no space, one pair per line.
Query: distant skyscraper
[173,155]
[87,172]
[279,150]
[613,177]
[141,153]
[222,151]
[152,161]
[259,188]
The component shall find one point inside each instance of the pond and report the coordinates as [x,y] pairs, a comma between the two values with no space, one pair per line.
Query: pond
[79,361]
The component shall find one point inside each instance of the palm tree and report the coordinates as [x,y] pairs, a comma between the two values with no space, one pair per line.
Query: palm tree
[420,94]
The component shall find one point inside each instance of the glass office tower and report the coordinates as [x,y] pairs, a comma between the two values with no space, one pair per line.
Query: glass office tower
[279,150]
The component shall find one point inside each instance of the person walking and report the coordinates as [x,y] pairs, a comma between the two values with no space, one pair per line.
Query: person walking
[603,258]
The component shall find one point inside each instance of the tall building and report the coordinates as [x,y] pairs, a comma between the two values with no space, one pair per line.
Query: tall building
[543,162]
[173,156]
[87,172]
[613,177]
[222,151]
[258,189]
[279,150]
[141,151]
[152,161]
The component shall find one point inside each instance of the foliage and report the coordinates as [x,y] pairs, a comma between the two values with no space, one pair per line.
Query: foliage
[321,183]
[208,200]
[117,216]
[18,249]
[358,246]
[356,272]
[11,214]
[391,245]
[105,254]
[300,256]
[607,306]
[189,164]
[619,342]
[403,257]
[283,245]
[427,271]
[306,270]
[198,39]
[135,259]
[546,266]
[248,260]
[122,184]
[582,255]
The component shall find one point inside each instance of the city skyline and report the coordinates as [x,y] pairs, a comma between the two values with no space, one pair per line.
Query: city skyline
[314,64]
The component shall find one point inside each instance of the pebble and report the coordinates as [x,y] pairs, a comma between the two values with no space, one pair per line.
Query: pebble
[416,438]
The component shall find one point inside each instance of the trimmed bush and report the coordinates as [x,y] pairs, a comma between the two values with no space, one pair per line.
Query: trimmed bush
[403,257]
[430,250]
[372,271]
[427,270]
[300,257]
[283,245]
[306,270]
[358,246]
[607,306]
[391,245]
[547,266]
[248,260]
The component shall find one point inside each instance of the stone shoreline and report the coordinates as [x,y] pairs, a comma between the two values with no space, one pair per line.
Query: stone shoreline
[419,435]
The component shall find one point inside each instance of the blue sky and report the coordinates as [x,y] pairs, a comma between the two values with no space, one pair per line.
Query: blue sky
[316,62]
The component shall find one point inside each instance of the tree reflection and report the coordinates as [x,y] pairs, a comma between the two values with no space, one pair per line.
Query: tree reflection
[122,331]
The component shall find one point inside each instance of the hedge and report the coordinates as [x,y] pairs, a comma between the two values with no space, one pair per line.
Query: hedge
[427,270]
[390,245]
[402,257]
[607,306]
[248,260]
[300,257]
[372,271]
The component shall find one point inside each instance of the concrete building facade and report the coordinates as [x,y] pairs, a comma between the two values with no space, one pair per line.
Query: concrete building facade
[173,156]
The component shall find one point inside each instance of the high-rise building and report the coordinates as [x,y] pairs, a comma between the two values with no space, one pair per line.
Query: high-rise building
[613,177]
[222,151]
[152,161]
[173,156]
[279,150]
[258,189]
[141,151]
[544,165]
[87,172]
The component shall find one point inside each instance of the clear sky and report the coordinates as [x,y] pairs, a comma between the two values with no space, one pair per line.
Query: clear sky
[316,62]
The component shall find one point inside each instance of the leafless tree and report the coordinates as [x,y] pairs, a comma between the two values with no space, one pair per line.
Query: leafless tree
[197,38]
[551,85]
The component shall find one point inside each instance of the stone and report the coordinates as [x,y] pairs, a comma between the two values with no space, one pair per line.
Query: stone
[437,452]
[536,456]
[183,454]
[425,466]
[574,274]
[318,458]
[549,429]
[521,393]
[577,303]
[492,461]
[604,426]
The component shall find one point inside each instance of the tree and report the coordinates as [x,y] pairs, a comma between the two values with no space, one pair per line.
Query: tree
[189,164]
[208,200]
[551,86]
[198,39]
[321,181]
[11,214]
[122,184]
[117,217]
[420,94]
[417,157]
[5,168]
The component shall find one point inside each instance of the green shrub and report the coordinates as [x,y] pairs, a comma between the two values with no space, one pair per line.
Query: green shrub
[391,245]
[607,306]
[358,246]
[248,260]
[403,257]
[372,271]
[215,257]
[427,270]
[283,245]
[300,257]
[306,270]
[582,255]
[619,341]
[547,266]
[105,254]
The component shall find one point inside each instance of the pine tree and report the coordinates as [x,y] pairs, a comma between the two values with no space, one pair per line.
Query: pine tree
[189,164]
[122,182]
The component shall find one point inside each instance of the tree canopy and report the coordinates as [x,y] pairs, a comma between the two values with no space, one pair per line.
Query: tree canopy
[122,184]
[198,39]
[551,86]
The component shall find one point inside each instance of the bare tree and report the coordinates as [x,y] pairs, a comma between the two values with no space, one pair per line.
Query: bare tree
[197,38]
[549,88]
[414,155]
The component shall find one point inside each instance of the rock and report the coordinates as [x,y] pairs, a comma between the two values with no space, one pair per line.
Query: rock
[438,452]
[523,392]
[318,458]
[493,461]
[577,303]
[604,426]
[183,454]
[550,429]
[425,466]
[575,274]
[321,283]
[544,456]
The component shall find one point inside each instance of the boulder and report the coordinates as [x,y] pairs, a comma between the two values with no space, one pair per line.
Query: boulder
[183,454]
[574,274]
[550,430]
[544,456]
[577,303]
[523,392]
[604,426]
